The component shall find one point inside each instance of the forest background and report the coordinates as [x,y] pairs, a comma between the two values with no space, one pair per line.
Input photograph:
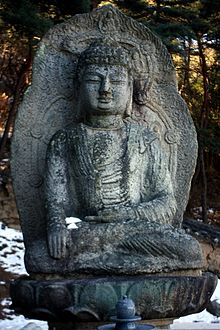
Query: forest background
[191,31]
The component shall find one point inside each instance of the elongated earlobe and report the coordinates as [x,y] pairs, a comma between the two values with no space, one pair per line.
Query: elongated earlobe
[130,102]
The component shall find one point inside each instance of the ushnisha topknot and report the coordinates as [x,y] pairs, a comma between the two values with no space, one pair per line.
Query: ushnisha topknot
[104,52]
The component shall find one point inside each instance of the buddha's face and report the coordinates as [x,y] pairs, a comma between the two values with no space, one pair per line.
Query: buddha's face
[105,90]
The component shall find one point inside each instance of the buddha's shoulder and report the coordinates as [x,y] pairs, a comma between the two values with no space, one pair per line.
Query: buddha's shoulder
[67,131]
[142,129]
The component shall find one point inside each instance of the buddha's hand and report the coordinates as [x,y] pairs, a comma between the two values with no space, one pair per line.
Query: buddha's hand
[112,215]
[57,243]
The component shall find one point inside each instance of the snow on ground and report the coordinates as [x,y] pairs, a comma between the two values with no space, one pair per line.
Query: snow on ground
[11,250]
[19,322]
[11,260]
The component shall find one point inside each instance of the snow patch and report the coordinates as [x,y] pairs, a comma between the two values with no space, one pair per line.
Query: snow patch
[71,222]
[11,250]
[19,322]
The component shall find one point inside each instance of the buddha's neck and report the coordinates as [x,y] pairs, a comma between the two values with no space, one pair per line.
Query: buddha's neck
[105,122]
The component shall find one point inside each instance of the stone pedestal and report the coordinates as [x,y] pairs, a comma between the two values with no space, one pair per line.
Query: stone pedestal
[162,324]
[76,302]
[91,325]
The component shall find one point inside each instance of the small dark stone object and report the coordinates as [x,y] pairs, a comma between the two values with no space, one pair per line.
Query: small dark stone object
[125,319]
[125,308]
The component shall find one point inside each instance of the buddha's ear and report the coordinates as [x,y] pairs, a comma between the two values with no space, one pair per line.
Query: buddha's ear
[128,110]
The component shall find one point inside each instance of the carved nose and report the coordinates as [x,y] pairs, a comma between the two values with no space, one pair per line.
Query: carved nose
[105,87]
[105,93]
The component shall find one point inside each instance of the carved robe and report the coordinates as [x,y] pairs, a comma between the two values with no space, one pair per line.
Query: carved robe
[89,170]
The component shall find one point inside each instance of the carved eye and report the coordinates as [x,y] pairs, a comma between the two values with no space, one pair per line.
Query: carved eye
[118,82]
[93,79]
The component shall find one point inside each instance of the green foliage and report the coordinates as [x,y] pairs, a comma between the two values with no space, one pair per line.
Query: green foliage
[23,24]
[73,7]
[24,16]
[35,17]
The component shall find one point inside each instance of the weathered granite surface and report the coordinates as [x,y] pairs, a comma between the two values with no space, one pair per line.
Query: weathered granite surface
[103,135]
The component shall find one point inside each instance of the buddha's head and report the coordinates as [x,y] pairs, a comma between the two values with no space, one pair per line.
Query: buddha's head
[104,78]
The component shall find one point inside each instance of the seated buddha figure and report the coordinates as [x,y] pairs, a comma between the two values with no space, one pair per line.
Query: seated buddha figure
[109,171]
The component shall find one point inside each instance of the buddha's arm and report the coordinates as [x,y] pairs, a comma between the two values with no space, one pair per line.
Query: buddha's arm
[161,206]
[56,195]
[158,200]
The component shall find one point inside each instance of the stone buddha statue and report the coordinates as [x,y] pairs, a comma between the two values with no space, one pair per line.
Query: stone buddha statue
[103,135]
[109,170]
[112,144]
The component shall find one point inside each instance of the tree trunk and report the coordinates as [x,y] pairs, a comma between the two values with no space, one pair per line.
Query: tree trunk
[203,125]
[19,90]
[203,188]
